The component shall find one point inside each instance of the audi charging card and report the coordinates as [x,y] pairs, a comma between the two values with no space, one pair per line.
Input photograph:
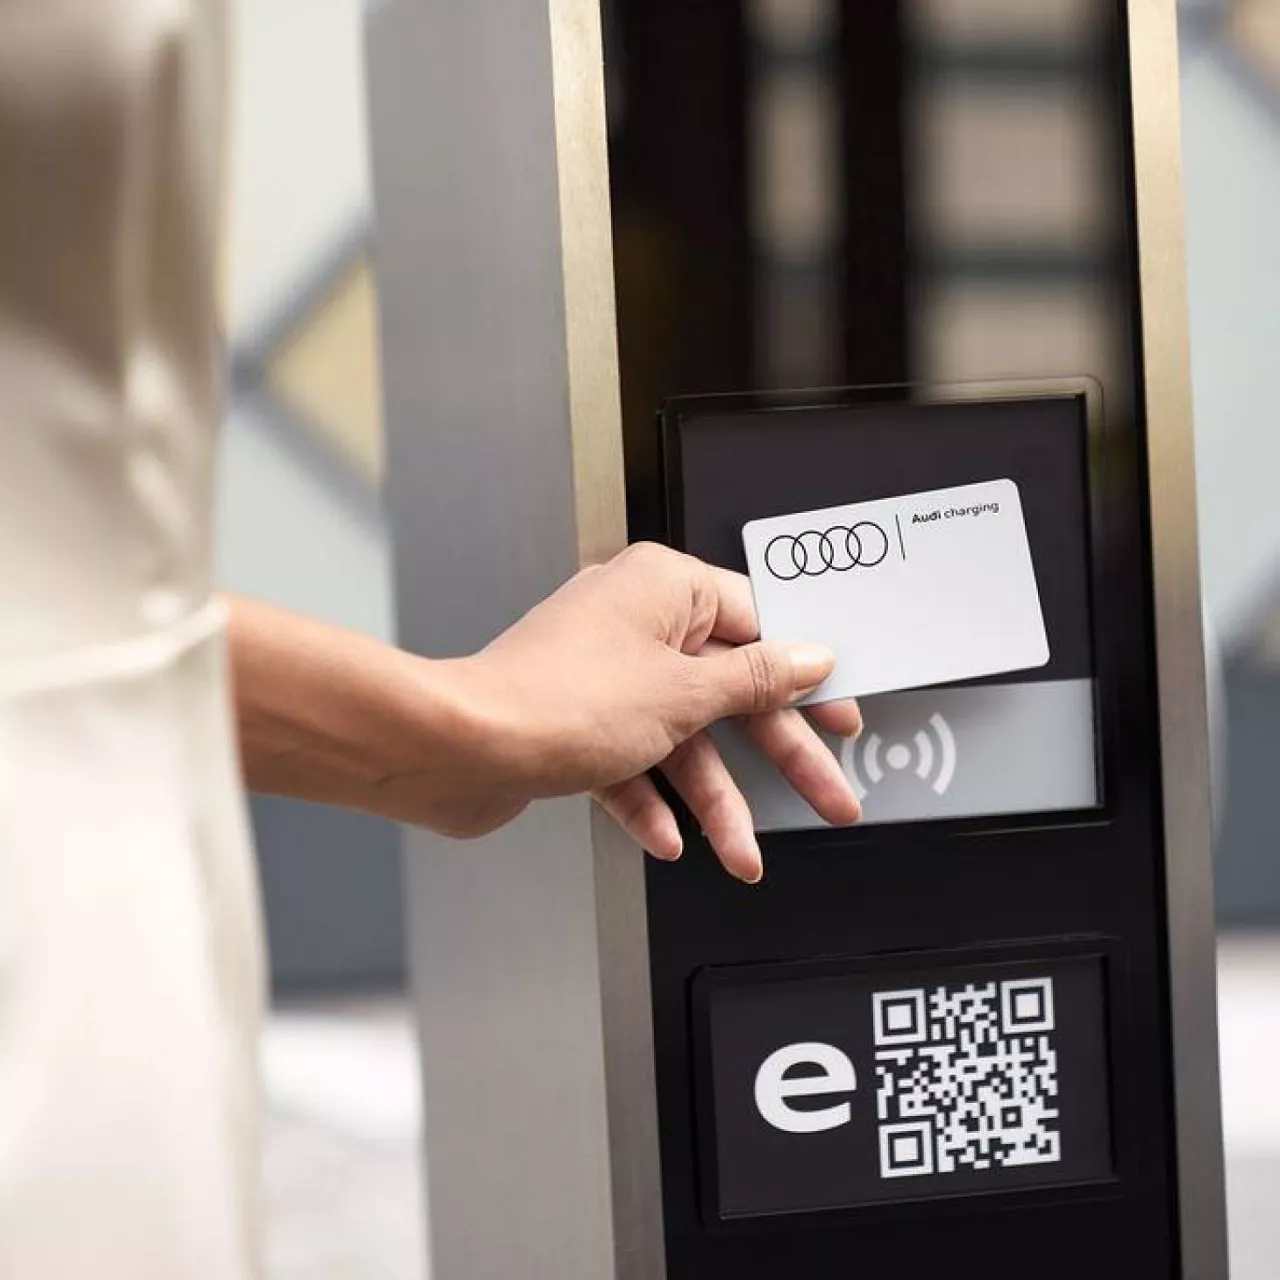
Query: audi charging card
[911,591]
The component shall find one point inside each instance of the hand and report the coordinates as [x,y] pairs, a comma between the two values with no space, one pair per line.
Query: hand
[623,669]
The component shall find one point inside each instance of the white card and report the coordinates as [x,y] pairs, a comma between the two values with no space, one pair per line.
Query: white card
[911,591]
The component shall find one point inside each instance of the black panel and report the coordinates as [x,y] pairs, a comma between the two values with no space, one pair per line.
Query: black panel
[681,240]
[747,463]
[897,301]
[933,1076]
[731,459]
[872,72]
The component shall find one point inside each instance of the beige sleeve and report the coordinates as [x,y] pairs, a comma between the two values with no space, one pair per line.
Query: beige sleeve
[130,968]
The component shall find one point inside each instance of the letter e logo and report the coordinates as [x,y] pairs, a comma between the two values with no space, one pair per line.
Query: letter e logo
[774,1090]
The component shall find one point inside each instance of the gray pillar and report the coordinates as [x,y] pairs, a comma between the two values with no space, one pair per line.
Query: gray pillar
[528,949]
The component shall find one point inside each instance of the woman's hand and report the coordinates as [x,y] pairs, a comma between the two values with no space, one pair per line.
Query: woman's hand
[623,669]
[619,672]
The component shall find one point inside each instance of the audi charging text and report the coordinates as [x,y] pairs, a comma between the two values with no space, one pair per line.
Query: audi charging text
[957,513]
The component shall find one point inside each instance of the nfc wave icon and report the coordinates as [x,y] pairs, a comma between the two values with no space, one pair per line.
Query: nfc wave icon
[930,755]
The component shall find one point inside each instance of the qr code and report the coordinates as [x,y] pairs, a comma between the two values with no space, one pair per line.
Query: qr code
[966,1077]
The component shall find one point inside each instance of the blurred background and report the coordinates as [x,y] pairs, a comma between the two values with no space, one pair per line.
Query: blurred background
[1006,154]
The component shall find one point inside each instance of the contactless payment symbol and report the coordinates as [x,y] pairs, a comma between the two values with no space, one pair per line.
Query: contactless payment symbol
[930,754]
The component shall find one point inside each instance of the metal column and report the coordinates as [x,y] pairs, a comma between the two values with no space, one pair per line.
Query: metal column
[529,955]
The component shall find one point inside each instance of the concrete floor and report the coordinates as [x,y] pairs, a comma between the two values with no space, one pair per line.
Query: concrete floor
[343,1169]
[344,1178]
[1249,1031]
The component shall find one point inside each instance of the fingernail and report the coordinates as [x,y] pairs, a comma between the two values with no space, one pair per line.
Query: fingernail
[811,664]
[754,872]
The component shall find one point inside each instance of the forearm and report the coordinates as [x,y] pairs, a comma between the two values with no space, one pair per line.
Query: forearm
[614,674]
[329,715]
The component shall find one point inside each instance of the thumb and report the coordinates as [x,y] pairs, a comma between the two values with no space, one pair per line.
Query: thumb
[764,676]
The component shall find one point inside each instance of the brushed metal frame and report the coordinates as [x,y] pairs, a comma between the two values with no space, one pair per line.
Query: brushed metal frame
[505,474]
[1157,146]
[529,951]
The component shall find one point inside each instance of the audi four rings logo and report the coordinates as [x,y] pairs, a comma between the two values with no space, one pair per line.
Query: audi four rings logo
[839,549]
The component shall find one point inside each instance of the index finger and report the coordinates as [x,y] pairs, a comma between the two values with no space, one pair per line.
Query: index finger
[842,717]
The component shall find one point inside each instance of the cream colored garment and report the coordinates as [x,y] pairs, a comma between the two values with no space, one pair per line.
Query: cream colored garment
[129,953]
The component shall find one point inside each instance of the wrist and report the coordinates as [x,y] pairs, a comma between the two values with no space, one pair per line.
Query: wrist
[337,717]
[498,735]
[435,757]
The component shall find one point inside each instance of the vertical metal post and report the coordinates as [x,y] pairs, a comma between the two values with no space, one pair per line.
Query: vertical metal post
[528,949]
[1157,149]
